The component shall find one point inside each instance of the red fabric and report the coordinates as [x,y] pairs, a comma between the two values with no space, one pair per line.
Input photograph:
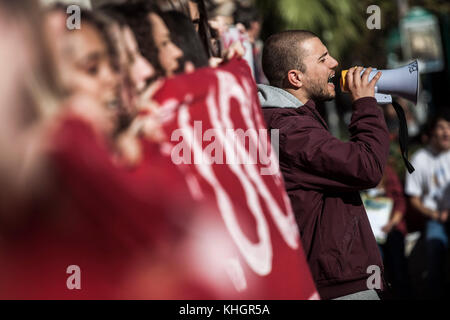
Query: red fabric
[139,234]
[112,223]
[226,98]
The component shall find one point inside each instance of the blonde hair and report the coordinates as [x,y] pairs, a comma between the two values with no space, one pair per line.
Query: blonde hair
[41,85]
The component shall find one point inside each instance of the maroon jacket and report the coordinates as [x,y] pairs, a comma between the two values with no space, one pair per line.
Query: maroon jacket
[323,176]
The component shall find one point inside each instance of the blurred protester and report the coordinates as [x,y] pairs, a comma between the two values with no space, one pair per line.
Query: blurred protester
[139,117]
[95,214]
[394,248]
[168,52]
[249,20]
[186,38]
[324,175]
[29,95]
[228,34]
[153,38]
[392,242]
[121,214]
[196,11]
[30,252]
[221,14]
[136,71]
[84,60]
[429,192]
[208,30]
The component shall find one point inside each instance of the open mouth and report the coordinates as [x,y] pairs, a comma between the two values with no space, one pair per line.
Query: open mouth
[331,79]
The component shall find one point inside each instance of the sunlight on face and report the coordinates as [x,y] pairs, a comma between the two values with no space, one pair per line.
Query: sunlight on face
[320,67]
[168,52]
[140,69]
[85,68]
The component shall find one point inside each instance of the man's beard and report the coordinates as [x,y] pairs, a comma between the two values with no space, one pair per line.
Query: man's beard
[319,92]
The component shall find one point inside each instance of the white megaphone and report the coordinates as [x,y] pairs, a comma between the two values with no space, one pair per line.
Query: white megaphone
[402,82]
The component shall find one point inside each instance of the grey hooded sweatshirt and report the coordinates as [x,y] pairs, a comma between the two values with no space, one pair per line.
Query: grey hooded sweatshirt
[275,97]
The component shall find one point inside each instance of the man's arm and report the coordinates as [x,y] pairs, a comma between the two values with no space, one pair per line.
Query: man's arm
[416,186]
[417,204]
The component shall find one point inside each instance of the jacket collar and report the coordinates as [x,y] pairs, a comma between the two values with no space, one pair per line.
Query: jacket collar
[273,97]
[311,105]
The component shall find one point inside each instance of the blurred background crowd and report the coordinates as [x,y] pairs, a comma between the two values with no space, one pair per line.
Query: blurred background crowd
[78,125]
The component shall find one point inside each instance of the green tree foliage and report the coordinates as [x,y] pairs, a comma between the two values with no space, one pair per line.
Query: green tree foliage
[336,22]
[341,24]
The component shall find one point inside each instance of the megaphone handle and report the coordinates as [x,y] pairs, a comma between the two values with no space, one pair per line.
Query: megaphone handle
[403,135]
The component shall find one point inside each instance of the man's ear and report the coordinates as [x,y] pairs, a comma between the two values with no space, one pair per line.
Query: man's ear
[295,78]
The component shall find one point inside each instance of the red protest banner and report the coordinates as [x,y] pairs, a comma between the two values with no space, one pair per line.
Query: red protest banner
[217,137]
[113,233]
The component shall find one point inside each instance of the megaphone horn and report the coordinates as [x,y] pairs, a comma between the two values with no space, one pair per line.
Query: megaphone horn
[402,82]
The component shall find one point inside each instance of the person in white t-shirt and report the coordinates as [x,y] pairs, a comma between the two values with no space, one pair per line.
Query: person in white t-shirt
[429,190]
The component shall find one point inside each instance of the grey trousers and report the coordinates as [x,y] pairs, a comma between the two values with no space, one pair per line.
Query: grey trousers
[361,295]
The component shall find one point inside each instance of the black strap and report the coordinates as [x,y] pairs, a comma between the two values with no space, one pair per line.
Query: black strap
[403,135]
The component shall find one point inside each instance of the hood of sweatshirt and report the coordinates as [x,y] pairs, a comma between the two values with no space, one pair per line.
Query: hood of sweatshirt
[273,97]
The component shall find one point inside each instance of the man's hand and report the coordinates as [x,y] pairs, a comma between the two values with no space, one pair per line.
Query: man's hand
[359,86]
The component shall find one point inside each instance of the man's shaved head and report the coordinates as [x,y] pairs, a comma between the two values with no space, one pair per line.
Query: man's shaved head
[283,52]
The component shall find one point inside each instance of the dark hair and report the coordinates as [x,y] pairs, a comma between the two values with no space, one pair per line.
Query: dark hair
[283,52]
[186,38]
[246,15]
[204,30]
[136,16]
[441,114]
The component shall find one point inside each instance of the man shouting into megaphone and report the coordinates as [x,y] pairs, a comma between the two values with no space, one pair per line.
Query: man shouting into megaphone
[323,175]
